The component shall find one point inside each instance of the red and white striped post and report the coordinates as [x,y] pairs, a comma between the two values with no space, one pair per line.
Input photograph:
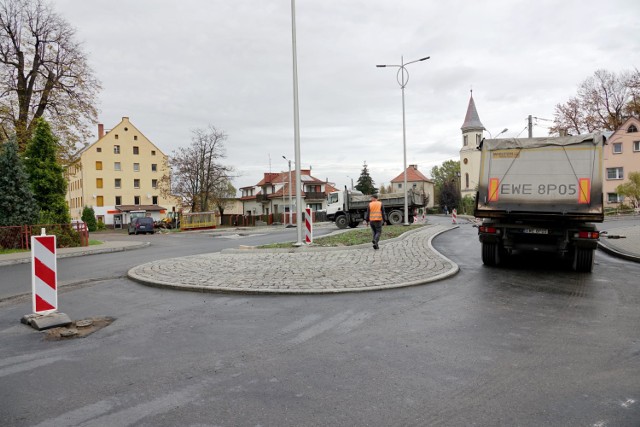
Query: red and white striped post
[308,227]
[44,277]
[454,216]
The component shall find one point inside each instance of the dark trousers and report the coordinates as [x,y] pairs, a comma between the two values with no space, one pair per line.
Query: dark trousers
[376,228]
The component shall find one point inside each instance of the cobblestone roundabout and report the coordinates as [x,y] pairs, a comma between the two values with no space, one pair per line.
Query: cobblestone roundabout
[405,261]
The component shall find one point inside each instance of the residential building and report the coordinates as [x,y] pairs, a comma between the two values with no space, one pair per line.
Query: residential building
[416,181]
[472,130]
[270,196]
[621,157]
[120,176]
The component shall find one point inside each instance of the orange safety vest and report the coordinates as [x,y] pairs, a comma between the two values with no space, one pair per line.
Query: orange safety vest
[375,211]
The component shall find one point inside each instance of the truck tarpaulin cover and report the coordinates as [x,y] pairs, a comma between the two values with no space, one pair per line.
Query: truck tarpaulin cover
[556,175]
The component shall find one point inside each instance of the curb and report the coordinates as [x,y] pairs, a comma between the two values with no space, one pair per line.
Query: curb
[617,253]
[213,289]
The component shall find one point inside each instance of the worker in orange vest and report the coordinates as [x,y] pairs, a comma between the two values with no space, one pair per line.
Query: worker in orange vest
[376,217]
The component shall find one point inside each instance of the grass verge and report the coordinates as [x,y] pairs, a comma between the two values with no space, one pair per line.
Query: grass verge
[357,236]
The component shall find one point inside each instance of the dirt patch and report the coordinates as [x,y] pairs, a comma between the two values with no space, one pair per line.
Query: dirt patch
[78,329]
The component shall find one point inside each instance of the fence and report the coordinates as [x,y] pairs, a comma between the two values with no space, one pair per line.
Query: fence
[280,218]
[196,220]
[67,235]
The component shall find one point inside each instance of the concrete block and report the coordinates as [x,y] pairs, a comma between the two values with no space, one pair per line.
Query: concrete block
[41,322]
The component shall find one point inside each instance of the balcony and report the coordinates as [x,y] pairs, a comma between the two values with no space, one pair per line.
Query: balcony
[314,195]
[262,198]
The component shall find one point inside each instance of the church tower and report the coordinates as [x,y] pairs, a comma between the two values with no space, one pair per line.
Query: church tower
[472,129]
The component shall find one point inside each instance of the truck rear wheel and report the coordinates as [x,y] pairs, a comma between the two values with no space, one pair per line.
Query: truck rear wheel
[583,260]
[354,224]
[395,217]
[490,254]
[342,222]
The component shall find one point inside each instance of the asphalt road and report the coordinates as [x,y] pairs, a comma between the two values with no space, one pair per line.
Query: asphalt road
[529,344]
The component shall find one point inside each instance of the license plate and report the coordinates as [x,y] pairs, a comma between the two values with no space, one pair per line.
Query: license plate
[536,231]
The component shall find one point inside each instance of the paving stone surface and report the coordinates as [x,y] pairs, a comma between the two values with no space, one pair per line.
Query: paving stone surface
[404,261]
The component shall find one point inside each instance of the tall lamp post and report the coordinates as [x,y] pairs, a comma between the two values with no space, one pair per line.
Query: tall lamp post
[499,133]
[296,126]
[290,207]
[403,78]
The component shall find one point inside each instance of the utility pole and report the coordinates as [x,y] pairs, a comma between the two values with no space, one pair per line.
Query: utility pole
[530,124]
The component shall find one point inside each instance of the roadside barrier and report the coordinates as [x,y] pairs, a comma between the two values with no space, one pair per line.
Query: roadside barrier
[44,280]
[454,216]
[308,229]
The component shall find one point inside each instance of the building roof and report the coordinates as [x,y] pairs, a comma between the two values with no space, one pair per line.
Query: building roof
[472,119]
[413,175]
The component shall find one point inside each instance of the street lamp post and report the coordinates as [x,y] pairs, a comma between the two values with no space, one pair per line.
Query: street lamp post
[290,207]
[499,133]
[403,78]
[296,126]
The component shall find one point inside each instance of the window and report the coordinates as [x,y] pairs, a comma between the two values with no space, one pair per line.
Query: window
[465,140]
[98,182]
[154,200]
[136,150]
[116,149]
[617,147]
[116,136]
[136,200]
[118,200]
[478,139]
[135,137]
[154,183]
[117,166]
[614,198]
[98,165]
[154,167]
[99,201]
[99,150]
[136,167]
[153,152]
[136,183]
[632,129]
[117,183]
[466,180]
[615,173]
[636,145]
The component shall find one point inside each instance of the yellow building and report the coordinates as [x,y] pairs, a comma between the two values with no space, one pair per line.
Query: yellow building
[120,176]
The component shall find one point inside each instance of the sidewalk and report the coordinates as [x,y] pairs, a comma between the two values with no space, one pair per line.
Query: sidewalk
[623,242]
[106,247]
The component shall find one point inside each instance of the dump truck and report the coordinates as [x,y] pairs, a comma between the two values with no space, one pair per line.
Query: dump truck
[347,208]
[541,194]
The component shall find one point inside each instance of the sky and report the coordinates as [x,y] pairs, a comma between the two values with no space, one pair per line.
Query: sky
[173,67]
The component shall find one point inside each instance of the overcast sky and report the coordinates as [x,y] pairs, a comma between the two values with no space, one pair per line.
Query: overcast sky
[172,66]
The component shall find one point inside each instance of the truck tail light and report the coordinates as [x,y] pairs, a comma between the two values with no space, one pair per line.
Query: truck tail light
[589,234]
[489,230]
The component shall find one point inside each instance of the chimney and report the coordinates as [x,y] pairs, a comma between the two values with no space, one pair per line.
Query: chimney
[415,167]
[100,130]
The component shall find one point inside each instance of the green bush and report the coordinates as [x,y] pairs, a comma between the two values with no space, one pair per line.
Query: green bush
[89,217]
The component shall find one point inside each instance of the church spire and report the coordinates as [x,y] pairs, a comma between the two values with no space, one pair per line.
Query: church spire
[472,120]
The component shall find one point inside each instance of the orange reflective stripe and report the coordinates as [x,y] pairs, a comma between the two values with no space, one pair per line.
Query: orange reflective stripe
[584,194]
[375,211]
[493,189]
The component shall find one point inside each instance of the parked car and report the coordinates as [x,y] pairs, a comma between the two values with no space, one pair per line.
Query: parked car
[141,225]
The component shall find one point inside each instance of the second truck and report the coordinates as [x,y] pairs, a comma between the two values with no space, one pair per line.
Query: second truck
[541,194]
[347,208]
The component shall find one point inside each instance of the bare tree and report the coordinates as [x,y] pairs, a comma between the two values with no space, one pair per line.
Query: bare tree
[197,171]
[603,102]
[44,73]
